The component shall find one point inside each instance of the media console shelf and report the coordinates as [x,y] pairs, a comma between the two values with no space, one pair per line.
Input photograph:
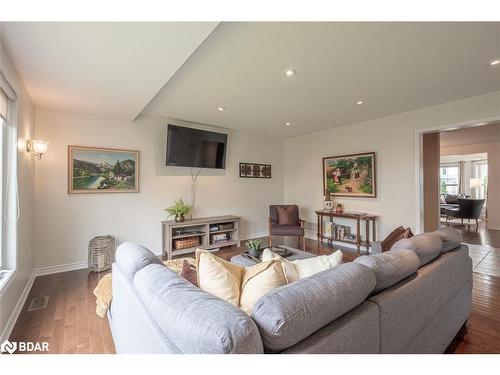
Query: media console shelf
[205,229]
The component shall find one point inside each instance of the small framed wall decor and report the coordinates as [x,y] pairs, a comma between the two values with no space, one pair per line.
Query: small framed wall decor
[255,170]
[102,170]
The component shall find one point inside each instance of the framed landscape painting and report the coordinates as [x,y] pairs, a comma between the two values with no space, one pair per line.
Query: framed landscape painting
[350,175]
[102,170]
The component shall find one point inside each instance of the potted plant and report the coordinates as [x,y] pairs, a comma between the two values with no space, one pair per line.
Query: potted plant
[178,210]
[253,247]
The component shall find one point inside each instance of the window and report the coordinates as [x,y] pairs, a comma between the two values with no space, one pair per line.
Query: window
[9,209]
[450,178]
[480,171]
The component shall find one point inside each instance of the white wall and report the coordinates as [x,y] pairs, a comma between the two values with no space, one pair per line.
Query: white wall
[493,196]
[393,140]
[10,296]
[66,223]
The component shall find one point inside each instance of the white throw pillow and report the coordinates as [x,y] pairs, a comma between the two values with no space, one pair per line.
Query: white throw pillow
[288,267]
[310,266]
[300,268]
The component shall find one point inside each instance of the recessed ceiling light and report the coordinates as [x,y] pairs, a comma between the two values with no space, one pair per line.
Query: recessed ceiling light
[221,109]
[495,62]
[288,123]
[359,102]
[290,72]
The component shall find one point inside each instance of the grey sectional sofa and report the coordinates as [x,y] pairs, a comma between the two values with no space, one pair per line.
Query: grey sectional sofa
[412,299]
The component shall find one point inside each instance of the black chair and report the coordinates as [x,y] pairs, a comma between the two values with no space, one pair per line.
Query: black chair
[467,209]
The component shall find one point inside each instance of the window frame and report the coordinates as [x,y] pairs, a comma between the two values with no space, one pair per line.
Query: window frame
[459,176]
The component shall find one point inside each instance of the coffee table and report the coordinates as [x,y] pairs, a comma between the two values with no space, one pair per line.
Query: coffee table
[296,254]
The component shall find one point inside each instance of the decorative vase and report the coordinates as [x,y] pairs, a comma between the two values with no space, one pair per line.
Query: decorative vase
[339,209]
[179,218]
[328,205]
[254,252]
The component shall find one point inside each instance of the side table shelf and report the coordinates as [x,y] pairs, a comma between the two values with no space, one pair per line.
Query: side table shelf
[358,217]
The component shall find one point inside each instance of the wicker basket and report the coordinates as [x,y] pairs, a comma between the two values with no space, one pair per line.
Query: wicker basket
[101,253]
[187,242]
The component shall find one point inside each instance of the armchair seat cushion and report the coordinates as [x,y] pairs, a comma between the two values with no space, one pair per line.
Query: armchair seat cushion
[287,230]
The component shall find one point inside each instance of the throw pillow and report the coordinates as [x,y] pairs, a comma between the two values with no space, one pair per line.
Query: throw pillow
[219,277]
[392,238]
[258,280]
[286,215]
[189,273]
[408,233]
[240,286]
[310,266]
[288,267]
[300,268]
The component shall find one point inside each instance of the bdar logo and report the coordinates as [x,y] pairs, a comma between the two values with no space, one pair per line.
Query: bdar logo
[8,347]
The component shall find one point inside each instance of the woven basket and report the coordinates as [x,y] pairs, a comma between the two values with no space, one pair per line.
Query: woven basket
[187,242]
[101,253]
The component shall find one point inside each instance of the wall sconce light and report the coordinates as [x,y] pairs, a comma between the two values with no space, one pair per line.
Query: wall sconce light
[37,147]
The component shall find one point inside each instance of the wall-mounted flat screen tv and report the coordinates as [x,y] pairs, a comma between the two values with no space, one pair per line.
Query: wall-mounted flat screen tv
[195,148]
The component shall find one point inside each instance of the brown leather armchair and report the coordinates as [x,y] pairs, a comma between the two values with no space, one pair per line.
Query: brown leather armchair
[284,221]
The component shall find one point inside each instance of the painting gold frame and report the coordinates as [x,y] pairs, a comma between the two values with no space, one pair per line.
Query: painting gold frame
[72,190]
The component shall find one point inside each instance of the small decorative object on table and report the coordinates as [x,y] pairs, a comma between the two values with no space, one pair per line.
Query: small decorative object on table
[328,204]
[178,210]
[253,247]
[339,209]
[101,253]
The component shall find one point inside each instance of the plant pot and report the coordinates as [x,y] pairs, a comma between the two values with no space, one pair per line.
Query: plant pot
[254,253]
[179,218]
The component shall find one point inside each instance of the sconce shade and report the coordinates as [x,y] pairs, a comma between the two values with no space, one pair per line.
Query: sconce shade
[40,147]
[37,147]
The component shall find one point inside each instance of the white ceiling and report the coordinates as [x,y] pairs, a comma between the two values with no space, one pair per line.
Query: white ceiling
[117,68]
[111,68]
[475,135]
[393,67]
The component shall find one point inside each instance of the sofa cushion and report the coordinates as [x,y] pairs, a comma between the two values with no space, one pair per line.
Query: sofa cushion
[289,314]
[390,267]
[288,267]
[219,277]
[300,268]
[132,257]
[427,246]
[451,238]
[193,320]
[240,286]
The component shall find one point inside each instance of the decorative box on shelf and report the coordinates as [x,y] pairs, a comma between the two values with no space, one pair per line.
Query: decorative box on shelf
[186,243]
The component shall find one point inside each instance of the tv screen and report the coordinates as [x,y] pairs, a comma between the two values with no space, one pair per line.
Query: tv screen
[188,147]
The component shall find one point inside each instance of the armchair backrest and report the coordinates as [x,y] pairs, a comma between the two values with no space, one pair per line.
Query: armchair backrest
[273,212]
[470,208]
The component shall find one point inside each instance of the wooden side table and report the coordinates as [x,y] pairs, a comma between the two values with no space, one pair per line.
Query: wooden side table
[358,217]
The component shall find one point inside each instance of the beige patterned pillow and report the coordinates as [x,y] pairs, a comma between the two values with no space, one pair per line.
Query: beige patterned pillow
[240,286]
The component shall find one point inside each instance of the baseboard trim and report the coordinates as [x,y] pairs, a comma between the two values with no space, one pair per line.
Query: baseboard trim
[61,268]
[17,309]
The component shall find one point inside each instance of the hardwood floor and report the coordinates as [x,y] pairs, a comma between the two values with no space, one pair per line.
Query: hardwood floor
[70,325]
[69,322]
